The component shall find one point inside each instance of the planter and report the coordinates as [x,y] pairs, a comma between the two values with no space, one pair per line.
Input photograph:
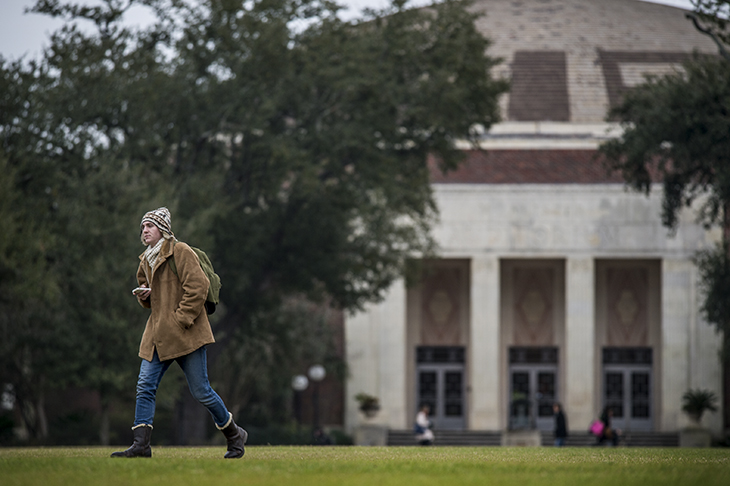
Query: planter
[522,438]
[695,437]
[368,404]
[370,412]
[371,435]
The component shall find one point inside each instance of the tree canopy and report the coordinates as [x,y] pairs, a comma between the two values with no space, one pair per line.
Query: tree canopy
[289,144]
[675,130]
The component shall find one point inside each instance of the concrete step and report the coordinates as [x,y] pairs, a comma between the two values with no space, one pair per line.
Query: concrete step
[494,438]
[448,438]
[628,439]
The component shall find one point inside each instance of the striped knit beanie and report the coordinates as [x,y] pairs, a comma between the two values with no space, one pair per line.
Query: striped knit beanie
[161,218]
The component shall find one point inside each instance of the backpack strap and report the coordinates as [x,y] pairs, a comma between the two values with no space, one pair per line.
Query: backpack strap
[171,261]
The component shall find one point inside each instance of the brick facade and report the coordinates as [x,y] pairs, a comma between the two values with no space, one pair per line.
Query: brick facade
[528,167]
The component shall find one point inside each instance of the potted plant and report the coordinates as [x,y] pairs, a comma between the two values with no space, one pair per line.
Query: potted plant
[369,405]
[370,433]
[696,402]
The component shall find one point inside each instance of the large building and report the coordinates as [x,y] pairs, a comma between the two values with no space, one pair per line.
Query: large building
[553,282]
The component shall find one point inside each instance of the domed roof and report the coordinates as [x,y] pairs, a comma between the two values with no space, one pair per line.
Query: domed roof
[569,60]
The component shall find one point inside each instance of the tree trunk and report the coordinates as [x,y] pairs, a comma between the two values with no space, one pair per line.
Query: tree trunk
[193,421]
[33,414]
[726,394]
[104,424]
[725,337]
[41,417]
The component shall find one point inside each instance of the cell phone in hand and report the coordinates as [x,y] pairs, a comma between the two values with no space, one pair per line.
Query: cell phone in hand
[139,290]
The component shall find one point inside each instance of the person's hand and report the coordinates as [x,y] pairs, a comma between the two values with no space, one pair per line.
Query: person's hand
[141,293]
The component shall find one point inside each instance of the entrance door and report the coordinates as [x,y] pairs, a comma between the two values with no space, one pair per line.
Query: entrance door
[627,387]
[440,385]
[627,390]
[533,381]
[533,391]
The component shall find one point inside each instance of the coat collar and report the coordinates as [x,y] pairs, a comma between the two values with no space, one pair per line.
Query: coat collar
[168,247]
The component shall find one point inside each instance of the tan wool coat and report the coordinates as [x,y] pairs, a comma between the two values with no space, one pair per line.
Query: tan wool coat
[178,323]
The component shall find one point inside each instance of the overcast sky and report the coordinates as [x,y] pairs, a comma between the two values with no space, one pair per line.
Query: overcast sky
[26,34]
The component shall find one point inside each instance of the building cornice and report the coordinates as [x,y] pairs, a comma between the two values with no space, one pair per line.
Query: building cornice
[545,135]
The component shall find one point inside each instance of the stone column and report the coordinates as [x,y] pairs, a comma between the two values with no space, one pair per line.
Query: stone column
[484,364]
[392,372]
[704,356]
[375,346]
[674,366]
[360,330]
[707,370]
[580,338]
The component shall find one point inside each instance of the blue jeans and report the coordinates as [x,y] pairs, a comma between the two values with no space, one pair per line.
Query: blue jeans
[195,367]
[559,441]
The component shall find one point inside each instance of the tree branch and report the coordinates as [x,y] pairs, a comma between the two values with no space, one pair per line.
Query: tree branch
[712,35]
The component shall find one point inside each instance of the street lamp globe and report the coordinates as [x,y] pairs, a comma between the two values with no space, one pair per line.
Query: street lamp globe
[299,383]
[317,373]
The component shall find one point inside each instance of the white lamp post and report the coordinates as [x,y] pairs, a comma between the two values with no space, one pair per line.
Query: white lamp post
[299,383]
[316,374]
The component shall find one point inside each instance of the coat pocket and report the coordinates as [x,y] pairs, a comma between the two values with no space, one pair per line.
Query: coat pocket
[177,321]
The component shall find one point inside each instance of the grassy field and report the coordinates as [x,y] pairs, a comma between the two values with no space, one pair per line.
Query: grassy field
[381,466]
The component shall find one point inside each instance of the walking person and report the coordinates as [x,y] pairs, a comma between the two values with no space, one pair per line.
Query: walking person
[177,330]
[561,427]
[422,427]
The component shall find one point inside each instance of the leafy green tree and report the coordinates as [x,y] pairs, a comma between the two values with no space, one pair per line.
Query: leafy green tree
[23,289]
[25,247]
[289,144]
[65,319]
[329,134]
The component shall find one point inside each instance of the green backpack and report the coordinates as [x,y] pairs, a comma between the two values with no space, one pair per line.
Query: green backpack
[215,281]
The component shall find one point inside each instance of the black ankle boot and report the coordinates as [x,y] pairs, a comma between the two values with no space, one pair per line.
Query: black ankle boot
[141,445]
[236,437]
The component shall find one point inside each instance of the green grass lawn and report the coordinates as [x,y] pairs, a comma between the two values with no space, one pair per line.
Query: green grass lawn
[381,466]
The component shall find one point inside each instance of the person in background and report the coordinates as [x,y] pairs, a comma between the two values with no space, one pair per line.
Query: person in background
[422,427]
[321,438]
[608,433]
[561,427]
